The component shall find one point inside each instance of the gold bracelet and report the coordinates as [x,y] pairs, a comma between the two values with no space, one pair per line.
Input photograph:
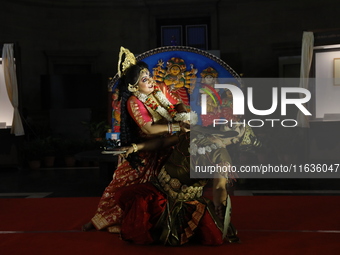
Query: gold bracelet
[175,127]
[135,148]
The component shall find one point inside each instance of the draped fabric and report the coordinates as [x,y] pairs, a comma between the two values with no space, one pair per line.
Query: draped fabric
[151,216]
[109,214]
[12,87]
[306,61]
[170,209]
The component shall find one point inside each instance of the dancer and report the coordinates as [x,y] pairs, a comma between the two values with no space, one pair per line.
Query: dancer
[146,112]
[171,209]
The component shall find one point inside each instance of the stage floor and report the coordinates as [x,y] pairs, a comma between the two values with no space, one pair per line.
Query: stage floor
[42,212]
[277,225]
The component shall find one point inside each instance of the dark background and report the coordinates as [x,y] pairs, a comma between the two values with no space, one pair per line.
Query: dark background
[67,50]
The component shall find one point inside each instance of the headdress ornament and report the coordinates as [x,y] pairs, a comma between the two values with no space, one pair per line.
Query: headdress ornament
[209,71]
[176,62]
[126,60]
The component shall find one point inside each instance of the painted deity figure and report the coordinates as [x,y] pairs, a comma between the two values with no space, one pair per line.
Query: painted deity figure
[227,106]
[214,101]
[176,77]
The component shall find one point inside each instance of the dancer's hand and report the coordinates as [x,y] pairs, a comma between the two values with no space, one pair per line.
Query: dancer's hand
[128,150]
[185,126]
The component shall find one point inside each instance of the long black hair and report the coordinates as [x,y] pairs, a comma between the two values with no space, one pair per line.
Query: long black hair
[129,130]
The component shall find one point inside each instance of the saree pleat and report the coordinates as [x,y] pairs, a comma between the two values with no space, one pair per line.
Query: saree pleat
[151,217]
[109,213]
[170,209]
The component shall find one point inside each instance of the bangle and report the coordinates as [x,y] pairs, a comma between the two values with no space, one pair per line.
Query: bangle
[175,127]
[169,128]
[135,148]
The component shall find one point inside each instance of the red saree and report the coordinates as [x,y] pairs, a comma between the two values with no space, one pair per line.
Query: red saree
[109,214]
[149,217]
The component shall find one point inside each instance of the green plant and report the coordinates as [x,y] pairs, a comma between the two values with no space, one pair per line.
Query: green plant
[97,129]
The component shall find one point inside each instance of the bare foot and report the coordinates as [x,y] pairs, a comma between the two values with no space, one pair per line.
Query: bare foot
[87,227]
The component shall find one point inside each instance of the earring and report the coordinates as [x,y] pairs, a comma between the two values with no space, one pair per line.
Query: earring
[132,88]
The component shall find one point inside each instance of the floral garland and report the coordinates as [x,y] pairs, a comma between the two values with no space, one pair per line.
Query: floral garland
[165,108]
[195,147]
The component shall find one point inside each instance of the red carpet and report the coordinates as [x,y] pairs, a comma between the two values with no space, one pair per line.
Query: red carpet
[266,225]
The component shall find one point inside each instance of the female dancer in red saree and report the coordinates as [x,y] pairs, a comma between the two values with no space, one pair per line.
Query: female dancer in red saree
[146,112]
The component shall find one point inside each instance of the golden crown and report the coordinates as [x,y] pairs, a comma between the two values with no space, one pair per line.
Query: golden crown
[126,59]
